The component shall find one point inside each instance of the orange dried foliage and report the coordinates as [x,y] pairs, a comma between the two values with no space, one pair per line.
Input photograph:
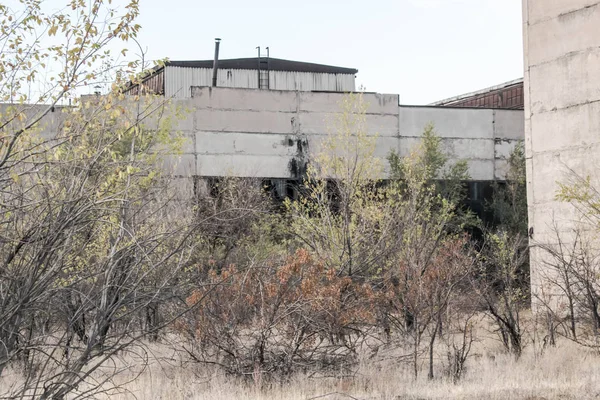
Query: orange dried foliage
[294,307]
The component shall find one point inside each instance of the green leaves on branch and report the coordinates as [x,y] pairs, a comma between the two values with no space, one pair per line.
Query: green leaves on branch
[359,223]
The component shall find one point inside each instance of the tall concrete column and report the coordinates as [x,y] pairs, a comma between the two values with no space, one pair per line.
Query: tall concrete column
[562,114]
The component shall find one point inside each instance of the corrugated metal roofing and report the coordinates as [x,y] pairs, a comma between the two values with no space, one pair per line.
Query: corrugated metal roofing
[309,81]
[501,86]
[179,80]
[275,64]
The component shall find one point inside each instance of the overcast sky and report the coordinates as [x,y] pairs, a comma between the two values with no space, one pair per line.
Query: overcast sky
[424,50]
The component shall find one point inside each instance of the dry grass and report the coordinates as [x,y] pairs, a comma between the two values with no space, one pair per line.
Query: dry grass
[566,371]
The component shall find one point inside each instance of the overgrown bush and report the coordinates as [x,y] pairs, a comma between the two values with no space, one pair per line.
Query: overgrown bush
[275,319]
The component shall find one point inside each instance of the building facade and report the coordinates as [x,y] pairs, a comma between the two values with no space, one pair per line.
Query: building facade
[562,115]
[254,133]
[272,134]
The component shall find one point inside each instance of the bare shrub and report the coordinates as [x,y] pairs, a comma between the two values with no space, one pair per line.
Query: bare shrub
[569,292]
[499,286]
[273,320]
[420,295]
[228,211]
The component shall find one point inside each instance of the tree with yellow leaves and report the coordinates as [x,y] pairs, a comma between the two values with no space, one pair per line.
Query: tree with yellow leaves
[91,240]
[342,215]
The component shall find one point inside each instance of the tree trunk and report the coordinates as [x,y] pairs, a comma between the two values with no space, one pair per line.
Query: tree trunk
[431,343]
[152,321]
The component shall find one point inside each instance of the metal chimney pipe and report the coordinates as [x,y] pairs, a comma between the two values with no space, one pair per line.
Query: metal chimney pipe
[216,62]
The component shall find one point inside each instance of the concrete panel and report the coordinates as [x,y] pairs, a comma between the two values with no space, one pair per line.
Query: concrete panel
[509,124]
[332,102]
[184,120]
[460,149]
[157,113]
[568,81]
[244,99]
[383,146]
[480,167]
[325,123]
[503,148]
[182,165]
[243,166]
[46,128]
[320,102]
[565,166]
[382,103]
[530,189]
[188,143]
[243,121]
[574,126]
[541,10]
[528,139]
[526,93]
[480,170]
[545,178]
[187,146]
[316,123]
[501,168]
[245,143]
[448,122]
[383,125]
[407,145]
[469,149]
[558,36]
[554,216]
[178,114]
[503,151]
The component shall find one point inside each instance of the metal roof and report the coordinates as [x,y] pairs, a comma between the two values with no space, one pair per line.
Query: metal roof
[275,64]
[478,92]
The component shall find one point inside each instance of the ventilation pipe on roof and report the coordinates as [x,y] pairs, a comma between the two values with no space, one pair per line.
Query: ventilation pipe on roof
[216,62]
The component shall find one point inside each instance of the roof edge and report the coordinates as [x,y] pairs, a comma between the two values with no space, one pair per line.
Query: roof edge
[275,64]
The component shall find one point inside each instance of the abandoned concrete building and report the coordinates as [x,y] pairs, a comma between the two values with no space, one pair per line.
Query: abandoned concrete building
[263,117]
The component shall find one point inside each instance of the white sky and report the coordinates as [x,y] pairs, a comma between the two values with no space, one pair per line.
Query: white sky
[424,50]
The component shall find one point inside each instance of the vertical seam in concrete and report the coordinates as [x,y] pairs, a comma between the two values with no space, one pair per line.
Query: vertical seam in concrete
[195,154]
[297,116]
[194,140]
[529,132]
[494,144]
[296,132]
[529,143]
[398,141]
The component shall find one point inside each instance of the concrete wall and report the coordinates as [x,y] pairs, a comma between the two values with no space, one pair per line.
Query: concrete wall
[271,134]
[562,109]
[263,133]
[46,128]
